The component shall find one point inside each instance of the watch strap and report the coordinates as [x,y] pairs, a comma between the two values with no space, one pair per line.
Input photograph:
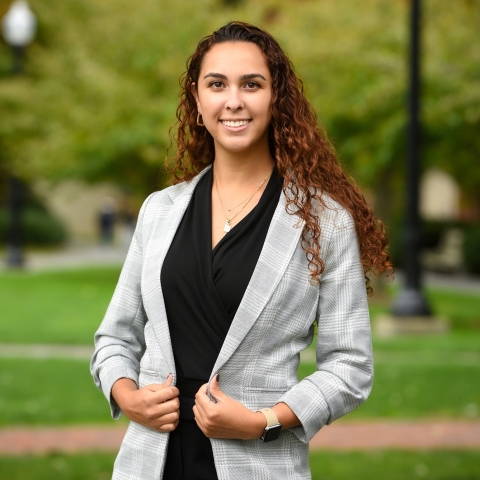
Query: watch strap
[270,415]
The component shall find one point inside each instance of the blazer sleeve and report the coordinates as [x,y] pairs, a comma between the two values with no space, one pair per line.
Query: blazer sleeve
[344,375]
[119,341]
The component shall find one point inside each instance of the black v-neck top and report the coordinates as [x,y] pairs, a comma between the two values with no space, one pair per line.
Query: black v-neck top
[203,288]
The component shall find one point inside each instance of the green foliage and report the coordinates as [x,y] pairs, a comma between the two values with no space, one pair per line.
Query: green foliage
[471,249]
[431,233]
[39,227]
[101,87]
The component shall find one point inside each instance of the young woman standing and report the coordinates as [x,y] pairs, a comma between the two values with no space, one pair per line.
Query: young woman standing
[261,236]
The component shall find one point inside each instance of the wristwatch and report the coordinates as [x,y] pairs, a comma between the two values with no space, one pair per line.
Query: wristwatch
[273,428]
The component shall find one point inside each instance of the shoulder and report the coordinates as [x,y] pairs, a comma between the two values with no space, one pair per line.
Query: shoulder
[165,196]
[331,214]
[168,196]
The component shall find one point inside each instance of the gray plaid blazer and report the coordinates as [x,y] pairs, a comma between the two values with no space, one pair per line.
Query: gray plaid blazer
[259,358]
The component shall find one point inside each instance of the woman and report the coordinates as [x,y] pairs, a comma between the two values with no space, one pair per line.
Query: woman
[261,236]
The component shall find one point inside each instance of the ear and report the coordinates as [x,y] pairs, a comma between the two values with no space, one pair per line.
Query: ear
[195,94]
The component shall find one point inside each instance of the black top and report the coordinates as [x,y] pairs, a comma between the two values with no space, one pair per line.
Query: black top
[203,288]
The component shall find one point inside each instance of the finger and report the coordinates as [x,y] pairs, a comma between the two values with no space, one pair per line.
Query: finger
[198,417]
[165,394]
[167,419]
[168,381]
[201,397]
[202,407]
[203,389]
[215,390]
[215,387]
[158,386]
[197,412]
[169,427]
[167,407]
[154,412]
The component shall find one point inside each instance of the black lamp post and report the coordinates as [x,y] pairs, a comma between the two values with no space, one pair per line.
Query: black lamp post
[15,258]
[18,28]
[411,301]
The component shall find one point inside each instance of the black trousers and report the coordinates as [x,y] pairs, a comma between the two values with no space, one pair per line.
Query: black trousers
[189,453]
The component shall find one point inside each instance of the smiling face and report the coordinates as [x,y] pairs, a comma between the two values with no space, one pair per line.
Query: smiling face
[234,96]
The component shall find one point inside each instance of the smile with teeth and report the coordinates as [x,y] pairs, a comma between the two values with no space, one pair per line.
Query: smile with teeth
[236,123]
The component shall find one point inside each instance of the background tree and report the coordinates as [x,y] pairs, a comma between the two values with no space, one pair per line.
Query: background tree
[101,87]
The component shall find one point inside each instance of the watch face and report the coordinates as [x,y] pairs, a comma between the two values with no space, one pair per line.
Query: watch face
[271,433]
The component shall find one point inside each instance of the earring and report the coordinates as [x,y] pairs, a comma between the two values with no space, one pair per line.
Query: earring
[198,120]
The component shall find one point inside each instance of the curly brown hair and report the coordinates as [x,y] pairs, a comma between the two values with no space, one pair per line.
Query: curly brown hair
[304,156]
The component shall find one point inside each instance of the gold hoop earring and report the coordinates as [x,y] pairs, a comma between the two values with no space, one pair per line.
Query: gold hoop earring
[198,120]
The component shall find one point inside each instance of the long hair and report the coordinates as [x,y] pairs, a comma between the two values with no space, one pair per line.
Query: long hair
[302,152]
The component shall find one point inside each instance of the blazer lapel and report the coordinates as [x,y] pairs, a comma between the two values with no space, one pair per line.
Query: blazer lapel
[168,218]
[280,243]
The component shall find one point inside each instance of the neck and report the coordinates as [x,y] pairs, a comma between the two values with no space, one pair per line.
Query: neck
[242,169]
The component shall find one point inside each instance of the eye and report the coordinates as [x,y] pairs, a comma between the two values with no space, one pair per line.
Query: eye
[216,84]
[252,85]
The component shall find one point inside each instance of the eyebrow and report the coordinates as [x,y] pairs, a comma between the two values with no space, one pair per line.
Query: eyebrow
[247,76]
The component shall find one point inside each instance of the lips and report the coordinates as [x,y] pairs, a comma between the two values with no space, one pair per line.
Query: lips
[235,123]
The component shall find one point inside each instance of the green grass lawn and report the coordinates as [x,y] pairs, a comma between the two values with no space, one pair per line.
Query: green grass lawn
[421,376]
[67,306]
[427,384]
[384,465]
[431,378]
[395,465]
[59,467]
[39,392]
[462,309]
[54,307]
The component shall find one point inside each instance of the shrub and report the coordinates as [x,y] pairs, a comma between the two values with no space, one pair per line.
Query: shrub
[39,227]
[471,249]
[431,232]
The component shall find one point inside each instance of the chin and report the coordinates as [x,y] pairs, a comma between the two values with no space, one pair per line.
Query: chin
[237,147]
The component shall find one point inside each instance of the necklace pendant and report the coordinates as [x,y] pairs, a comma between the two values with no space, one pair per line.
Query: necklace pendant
[227,227]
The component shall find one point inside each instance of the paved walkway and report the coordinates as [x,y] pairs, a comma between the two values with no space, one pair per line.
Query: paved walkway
[419,435]
[75,256]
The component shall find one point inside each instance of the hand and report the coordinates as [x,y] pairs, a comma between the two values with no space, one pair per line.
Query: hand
[155,406]
[227,418]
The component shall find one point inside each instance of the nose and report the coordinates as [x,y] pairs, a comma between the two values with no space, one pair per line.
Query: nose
[234,100]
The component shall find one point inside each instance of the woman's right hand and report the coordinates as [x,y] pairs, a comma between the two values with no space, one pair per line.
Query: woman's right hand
[155,406]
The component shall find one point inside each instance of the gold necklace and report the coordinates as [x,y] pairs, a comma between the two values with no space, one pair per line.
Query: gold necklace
[227,227]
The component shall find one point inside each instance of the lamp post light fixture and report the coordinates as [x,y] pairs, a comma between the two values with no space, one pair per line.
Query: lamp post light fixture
[19,26]
[412,302]
[411,313]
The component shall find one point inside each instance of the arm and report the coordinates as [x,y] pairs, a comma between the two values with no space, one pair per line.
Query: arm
[153,406]
[344,375]
[344,357]
[119,341]
[228,418]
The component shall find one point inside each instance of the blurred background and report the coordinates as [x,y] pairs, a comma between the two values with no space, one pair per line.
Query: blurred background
[88,92]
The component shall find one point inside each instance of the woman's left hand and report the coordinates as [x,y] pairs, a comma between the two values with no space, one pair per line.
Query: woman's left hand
[227,418]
